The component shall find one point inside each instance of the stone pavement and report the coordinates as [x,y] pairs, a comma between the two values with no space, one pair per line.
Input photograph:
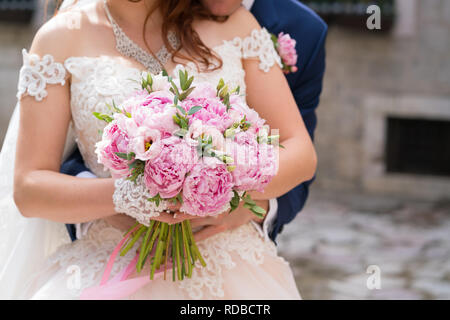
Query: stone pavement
[337,237]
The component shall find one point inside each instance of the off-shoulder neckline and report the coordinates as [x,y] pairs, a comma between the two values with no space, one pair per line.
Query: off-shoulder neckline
[234,42]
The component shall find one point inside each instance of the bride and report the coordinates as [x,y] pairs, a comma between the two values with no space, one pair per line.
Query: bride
[86,56]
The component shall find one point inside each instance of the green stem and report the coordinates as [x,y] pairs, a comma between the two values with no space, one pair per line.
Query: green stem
[173,252]
[158,253]
[169,237]
[133,241]
[182,251]
[177,246]
[152,240]
[143,246]
[187,249]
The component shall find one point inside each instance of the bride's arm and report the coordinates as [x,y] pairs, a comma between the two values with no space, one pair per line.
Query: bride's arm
[39,189]
[269,94]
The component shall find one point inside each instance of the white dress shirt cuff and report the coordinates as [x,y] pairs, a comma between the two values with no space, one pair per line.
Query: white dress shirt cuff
[268,221]
[82,228]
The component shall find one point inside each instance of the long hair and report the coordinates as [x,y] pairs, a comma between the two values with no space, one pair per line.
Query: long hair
[178,16]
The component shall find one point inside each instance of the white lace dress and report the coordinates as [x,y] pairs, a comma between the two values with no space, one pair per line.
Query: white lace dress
[241,264]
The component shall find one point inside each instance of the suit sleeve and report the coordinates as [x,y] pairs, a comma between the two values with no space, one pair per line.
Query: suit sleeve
[306,90]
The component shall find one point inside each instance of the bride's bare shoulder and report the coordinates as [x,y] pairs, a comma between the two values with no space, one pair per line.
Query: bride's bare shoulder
[240,24]
[63,34]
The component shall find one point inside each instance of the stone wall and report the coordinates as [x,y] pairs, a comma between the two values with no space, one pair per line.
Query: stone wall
[363,63]
[13,38]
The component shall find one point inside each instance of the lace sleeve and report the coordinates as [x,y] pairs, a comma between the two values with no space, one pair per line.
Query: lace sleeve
[36,73]
[259,45]
[131,198]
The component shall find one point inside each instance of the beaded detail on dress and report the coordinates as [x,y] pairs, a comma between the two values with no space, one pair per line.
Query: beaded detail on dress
[128,48]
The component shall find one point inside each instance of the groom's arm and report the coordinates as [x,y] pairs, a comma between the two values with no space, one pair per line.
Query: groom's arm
[306,88]
[74,166]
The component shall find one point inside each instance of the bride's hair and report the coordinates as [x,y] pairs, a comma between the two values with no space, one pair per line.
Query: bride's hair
[178,16]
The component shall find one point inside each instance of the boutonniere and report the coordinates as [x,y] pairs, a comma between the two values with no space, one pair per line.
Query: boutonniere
[285,47]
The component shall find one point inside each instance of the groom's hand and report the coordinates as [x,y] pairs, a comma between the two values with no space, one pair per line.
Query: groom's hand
[226,221]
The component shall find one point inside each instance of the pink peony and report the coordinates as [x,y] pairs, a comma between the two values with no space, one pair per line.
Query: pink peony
[198,129]
[239,105]
[146,143]
[203,90]
[207,190]
[165,174]
[114,140]
[213,112]
[155,112]
[255,166]
[286,49]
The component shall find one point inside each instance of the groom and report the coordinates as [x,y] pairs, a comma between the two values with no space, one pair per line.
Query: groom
[303,25]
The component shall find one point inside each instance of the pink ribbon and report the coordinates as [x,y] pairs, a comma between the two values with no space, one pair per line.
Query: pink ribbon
[120,286]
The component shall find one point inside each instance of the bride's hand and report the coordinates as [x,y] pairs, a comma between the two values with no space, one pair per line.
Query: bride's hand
[226,221]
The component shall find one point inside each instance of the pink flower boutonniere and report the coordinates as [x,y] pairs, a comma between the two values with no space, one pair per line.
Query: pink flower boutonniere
[285,47]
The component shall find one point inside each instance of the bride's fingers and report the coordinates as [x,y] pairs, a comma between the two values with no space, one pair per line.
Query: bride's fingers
[177,217]
[174,207]
[208,232]
[203,222]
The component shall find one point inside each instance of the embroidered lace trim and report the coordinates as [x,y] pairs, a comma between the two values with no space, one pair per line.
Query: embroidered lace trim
[36,73]
[131,198]
[259,45]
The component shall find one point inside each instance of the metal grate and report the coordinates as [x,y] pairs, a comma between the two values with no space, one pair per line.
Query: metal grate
[20,11]
[17,4]
[418,146]
[352,13]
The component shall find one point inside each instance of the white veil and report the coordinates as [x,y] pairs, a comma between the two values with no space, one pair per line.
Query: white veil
[25,243]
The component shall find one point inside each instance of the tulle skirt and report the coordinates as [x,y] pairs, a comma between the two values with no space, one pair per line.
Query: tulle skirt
[241,264]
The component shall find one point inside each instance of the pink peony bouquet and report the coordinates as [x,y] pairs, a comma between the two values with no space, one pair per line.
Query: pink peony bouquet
[191,144]
[285,47]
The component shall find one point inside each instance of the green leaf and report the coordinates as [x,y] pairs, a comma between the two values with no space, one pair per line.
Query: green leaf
[234,203]
[174,88]
[220,85]
[248,206]
[259,215]
[181,110]
[122,155]
[156,199]
[258,209]
[176,119]
[186,93]
[149,79]
[103,117]
[183,79]
[164,73]
[180,133]
[189,82]
[194,110]
[249,200]
[184,123]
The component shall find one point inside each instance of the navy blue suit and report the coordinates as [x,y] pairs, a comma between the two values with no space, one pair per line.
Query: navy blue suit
[310,31]
[302,24]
